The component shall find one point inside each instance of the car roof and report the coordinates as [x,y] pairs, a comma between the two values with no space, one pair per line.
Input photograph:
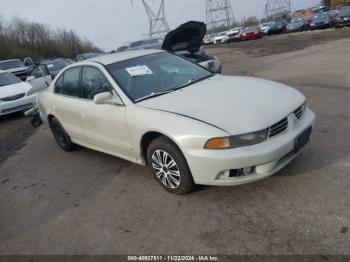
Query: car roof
[117,57]
[9,60]
[48,61]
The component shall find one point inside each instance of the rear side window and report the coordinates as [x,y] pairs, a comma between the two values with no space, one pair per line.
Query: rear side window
[93,83]
[69,83]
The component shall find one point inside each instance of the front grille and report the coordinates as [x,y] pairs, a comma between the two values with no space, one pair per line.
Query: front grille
[299,112]
[278,128]
[12,98]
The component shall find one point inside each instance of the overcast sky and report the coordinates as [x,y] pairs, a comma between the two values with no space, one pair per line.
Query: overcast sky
[111,23]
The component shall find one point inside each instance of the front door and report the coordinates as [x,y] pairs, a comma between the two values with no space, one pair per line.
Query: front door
[104,125]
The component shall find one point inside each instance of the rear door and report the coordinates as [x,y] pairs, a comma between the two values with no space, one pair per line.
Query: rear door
[66,103]
[104,125]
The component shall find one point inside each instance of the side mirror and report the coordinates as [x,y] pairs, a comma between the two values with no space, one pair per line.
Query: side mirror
[30,78]
[107,98]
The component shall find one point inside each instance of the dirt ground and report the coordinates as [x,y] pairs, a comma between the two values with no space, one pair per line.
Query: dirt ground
[85,202]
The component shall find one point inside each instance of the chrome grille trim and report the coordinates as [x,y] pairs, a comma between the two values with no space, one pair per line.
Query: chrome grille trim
[279,127]
[12,98]
[299,112]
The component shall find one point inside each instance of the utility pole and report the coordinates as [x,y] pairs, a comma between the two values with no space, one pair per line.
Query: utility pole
[277,8]
[158,26]
[219,13]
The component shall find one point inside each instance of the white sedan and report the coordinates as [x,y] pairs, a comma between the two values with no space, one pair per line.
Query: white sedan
[221,38]
[15,95]
[187,124]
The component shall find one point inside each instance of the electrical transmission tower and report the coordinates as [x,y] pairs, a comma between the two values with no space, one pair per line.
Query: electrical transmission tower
[219,13]
[277,8]
[158,26]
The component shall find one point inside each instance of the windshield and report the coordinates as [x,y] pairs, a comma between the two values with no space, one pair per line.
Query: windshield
[87,56]
[221,34]
[8,79]
[320,18]
[297,21]
[56,66]
[11,64]
[161,72]
[345,11]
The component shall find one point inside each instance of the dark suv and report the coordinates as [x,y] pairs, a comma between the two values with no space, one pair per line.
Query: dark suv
[343,18]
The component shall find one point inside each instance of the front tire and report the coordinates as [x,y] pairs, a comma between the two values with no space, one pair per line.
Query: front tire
[62,138]
[169,166]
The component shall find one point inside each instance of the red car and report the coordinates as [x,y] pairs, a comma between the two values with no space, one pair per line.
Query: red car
[251,33]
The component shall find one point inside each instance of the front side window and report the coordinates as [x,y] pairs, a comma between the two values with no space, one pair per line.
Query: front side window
[8,79]
[93,83]
[145,76]
[69,83]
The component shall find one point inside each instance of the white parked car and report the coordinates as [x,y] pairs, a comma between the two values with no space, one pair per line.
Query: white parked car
[187,124]
[16,95]
[209,39]
[265,27]
[220,38]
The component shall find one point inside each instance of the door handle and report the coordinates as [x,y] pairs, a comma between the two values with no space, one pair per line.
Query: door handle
[84,114]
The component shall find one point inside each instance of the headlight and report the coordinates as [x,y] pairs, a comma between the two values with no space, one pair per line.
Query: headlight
[237,141]
[31,91]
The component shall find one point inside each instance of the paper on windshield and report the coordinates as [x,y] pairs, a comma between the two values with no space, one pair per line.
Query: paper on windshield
[50,65]
[139,70]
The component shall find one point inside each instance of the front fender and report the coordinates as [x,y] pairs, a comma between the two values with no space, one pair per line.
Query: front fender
[187,133]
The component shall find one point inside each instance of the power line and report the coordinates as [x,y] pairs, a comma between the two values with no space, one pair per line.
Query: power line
[158,25]
[277,8]
[219,13]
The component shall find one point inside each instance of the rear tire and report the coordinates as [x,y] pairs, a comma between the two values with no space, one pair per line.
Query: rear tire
[169,166]
[62,138]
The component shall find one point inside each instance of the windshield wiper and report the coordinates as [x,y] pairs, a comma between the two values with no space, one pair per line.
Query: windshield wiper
[155,94]
[193,81]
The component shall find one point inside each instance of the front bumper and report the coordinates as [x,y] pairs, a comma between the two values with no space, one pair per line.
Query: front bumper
[320,26]
[17,105]
[212,167]
[343,23]
[292,30]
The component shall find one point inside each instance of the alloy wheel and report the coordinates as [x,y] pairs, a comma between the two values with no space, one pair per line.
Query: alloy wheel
[166,169]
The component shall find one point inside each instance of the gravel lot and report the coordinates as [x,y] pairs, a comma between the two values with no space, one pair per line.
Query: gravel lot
[86,202]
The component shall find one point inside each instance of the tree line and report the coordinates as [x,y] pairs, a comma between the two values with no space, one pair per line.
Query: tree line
[20,38]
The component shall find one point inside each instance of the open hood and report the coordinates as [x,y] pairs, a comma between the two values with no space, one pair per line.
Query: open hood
[188,36]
